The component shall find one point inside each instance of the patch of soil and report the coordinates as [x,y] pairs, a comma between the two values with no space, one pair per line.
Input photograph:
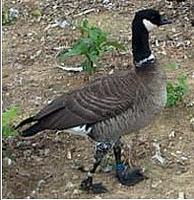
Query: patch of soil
[45,166]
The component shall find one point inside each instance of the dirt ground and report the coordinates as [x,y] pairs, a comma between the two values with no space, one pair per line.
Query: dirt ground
[46,166]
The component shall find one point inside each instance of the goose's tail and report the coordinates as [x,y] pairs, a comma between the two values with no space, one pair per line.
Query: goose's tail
[32,130]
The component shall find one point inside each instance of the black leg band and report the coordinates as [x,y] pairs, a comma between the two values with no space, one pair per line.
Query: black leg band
[87,184]
[101,150]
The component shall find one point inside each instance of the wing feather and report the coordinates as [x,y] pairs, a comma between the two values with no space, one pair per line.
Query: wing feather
[95,102]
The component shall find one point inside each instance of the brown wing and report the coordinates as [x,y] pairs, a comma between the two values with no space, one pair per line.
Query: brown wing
[100,100]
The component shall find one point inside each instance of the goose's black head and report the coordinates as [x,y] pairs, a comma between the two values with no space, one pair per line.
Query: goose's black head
[143,22]
[150,18]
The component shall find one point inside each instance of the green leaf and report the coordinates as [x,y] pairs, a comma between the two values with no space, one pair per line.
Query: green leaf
[85,23]
[97,35]
[36,13]
[5,17]
[84,27]
[93,56]
[7,119]
[176,90]
[173,65]
[10,115]
[79,48]
[115,44]
[88,66]
[92,44]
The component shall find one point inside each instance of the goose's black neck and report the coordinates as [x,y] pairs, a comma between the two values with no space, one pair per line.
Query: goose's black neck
[140,43]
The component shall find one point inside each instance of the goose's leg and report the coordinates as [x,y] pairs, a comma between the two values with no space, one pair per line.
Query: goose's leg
[125,175]
[87,184]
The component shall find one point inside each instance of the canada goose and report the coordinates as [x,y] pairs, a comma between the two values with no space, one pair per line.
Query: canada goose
[112,105]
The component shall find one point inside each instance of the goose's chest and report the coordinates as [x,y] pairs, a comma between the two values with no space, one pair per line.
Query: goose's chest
[158,95]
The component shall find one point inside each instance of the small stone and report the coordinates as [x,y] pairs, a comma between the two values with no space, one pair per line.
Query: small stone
[34,144]
[49,101]
[184,158]
[173,154]
[7,161]
[172,134]
[111,71]
[106,1]
[40,183]
[181,195]
[174,30]
[158,155]
[76,191]
[191,104]
[98,197]
[75,177]
[33,192]
[13,13]
[156,184]
[69,186]
[69,155]
[37,53]
[62,23]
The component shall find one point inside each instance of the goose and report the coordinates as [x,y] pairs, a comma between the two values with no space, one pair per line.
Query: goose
[112,105]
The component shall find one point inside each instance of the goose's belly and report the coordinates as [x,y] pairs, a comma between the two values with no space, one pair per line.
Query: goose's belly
[133,119]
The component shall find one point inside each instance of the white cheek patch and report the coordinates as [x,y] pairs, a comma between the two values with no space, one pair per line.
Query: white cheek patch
[151,57]
[149,25]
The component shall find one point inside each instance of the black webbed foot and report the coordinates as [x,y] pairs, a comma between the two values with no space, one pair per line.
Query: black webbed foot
[96,188]
[128,176]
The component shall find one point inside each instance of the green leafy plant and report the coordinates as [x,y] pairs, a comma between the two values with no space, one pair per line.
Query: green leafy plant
[9,16]
[7,119]
[92,44]
[173,65]
[36,13]
[176,90]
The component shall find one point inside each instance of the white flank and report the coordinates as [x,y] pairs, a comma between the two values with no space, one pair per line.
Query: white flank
[79,130]
[149,25]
